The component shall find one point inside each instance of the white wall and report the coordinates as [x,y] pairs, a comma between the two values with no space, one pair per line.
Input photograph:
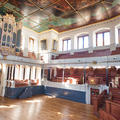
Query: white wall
[91,30]
[49,35]
[26,34]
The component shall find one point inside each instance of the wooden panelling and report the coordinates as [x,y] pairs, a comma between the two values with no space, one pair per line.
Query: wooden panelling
[106,116]
[113,109]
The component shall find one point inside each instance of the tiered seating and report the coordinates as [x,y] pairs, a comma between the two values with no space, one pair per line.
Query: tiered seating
[99,75]
[69,75]
[95,53]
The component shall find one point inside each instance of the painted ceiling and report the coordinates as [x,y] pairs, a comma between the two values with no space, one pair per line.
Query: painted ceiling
[61,15]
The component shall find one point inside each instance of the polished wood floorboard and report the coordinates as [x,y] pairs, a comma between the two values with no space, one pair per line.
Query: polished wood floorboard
[44,108]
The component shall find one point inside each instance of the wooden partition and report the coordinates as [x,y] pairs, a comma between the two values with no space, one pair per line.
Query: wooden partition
[113,109]
[106,116]
[99,101]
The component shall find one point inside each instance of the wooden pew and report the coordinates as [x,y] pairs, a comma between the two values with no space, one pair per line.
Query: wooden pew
[105,116]
[99,101]
[113,109]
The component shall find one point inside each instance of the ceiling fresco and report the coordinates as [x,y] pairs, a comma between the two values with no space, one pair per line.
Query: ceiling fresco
[61,15]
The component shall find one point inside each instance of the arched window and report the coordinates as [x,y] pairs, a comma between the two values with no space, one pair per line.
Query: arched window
[8,41]
[102,38]
[14,38]
[66,44]
[82,41]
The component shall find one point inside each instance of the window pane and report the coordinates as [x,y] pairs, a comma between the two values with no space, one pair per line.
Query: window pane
[80,40]
[100,39]
[69,44]
[86,42]
[65,45]
[107,38]
[43,45]
[54,45]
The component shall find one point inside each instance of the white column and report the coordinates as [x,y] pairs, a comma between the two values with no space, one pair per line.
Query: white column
[91,39]
[21,72]
[33,73]
[16,72]
[27,70]
[72,42]
[112,38]
[38,75]
[3,80]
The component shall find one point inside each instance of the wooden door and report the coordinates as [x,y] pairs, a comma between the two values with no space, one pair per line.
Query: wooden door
[94,92]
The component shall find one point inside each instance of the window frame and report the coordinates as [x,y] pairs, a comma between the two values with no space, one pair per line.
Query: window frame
[118,35]
[68,39]
[83,37]
[45,43]
[103,38]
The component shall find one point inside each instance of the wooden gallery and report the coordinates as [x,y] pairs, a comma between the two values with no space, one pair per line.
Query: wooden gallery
[59,60]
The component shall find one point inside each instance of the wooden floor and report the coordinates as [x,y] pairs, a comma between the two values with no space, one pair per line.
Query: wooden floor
[44,108]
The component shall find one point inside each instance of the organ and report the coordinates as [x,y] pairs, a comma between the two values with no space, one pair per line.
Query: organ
[10,35]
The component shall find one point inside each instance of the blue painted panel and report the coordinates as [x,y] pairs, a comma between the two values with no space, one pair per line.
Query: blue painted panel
[77,96]
[36,90]
[26,93]
[17,92]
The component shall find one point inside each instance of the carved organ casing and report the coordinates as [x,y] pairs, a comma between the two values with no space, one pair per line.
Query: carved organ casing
[10,35]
